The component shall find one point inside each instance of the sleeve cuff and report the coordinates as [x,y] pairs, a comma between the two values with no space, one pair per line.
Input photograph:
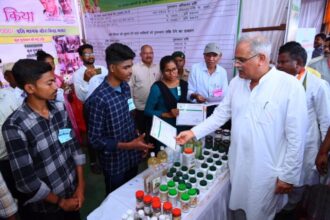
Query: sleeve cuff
[79,159]
[41,194]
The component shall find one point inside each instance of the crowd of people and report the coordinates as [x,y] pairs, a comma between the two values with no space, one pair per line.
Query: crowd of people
[279,116]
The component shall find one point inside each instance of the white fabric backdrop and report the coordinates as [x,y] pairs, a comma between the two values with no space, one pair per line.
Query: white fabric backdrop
[311,14]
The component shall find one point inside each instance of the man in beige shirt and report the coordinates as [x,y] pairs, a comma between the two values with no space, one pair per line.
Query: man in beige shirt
[144,75]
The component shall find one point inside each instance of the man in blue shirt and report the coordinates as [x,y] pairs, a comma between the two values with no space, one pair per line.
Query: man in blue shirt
[111,128]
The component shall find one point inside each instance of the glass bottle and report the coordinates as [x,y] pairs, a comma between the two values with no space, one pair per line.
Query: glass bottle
[162,155]
[152,161]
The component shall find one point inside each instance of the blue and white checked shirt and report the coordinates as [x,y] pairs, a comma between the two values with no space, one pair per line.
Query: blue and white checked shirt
[39,162]
[110,122]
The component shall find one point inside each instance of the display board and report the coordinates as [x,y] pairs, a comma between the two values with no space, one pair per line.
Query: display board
[167,26]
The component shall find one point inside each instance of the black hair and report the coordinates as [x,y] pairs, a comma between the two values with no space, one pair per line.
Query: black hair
[164,61]
[42,55]
[29,71]
[295,50]
[117,52]
[83,47]
[328,39]
[321,35]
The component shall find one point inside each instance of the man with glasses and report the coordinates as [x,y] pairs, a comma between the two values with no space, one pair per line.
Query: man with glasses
[269,119]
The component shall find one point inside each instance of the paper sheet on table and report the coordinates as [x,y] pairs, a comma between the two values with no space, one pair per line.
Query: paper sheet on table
[190,114]
[164,132]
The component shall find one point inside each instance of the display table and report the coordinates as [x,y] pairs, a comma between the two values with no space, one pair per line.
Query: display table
[213,204]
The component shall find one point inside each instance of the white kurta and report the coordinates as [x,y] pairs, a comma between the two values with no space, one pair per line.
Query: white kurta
[267,139]
[318,106]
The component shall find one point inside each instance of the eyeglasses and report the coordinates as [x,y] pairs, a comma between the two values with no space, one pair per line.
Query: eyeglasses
[171,70]
[88,54]
[242,60]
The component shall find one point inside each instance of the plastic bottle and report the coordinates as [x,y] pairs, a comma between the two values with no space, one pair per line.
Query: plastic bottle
[167,209]
[162,155]
[163,191]
[156,208]
[188,158]
[172,196]
[185,202]
[193,197]
[176,214]
[153,161]
[139,200]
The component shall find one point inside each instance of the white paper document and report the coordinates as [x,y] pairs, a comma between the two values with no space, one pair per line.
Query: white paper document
[164,132]
[190,114]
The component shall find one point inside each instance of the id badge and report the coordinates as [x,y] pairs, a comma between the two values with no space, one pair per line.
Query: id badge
[179,91]
[130,103]
[217,92]
[64,135]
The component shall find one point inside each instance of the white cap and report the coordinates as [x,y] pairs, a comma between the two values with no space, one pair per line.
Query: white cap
[152,154]
[129,212]
[141,213]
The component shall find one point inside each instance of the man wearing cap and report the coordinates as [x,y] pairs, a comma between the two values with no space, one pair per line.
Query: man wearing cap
[180,61]
[208,81]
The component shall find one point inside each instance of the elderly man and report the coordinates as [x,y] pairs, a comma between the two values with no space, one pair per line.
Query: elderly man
[322,65]
[144,75]
[292,59]
[269,119]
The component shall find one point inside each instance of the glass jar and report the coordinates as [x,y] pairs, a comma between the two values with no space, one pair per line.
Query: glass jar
[193,197]
[176,214]
[139,200]
[163,193]
[185,202]
[172,196]
[147,199]
[156,208]
[188,158]
[181,189]
[171,184]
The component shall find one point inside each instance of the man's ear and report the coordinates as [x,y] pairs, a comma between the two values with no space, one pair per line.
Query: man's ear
[112,68]
[29,88]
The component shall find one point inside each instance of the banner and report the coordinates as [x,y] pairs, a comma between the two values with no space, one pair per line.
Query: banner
[31,25]
[167,26]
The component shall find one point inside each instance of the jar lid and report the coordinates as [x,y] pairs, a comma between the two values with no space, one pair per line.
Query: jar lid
[216,156]
[224,157]
[201,157]
[176,179]
[176,212]
[188,150]
[203,183]
[185,197]
[200,174]
[209,160]
[192,180]
[184,168]
[172,192]
[218,163]
[163,188]
[139,194]
[147,199]
[156,205]
[182,182]
[169,174]
[167,206]
[192,172]
[179,173]
[177,164]
[218,131]
[222,149]
[209,177]
[206,153]
[182,187]
[173,170]
[204,165]
[213,168]
[155,199]
[207,146]
[188,185]
[185,177]
[171,183]
[192,192]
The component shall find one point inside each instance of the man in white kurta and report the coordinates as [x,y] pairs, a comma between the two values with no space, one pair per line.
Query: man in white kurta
[269,117]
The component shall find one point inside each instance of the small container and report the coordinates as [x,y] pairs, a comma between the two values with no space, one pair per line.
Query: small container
[188,186]
[226,144]
[193,182]
[188,158]
[173,170]
[147,199]
[204,168]
[184,170]
[171,184]
[218,165]
[176,180]
[209,179]
[203,186]
[185,202]
[209,161]
[181,189]
[208,138]
[218,133]
[185,177]
[213,171]
[193,197]
[139,200]
[179,174]
[200,176]
[167,209]
[156,208]
[206,154]
[163,193]
[177,165]
[172,196]
[169,176]
[215,149]
[155,199]
[176,214]
[224,160]
[207,148]
[191,173]
[216,156]
[222,151]
[199,162]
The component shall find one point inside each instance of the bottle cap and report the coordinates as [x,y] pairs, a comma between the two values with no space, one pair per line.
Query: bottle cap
[192,172]
[192,180]
[203,183]
[176,212]
[218,163]
[224,157]
[177,164]
[156,205]
[209,177]
[209,160]
[184,168]
[172,192]
[182,187]
[204,165]
[163,188]
[171,183]
[185,197]
[200,175]
[192,192]
[167,206]
[188,150]
[155,199]
[188,185]
[185,177]
[147,199]
[213,168]
[139,194]
[152,154]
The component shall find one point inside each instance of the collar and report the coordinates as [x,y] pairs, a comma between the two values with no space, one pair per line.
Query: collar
[204,67]
[34,115]
[300,75]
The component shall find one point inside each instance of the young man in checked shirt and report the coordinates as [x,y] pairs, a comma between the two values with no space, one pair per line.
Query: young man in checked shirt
[44,155]
[111,128]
